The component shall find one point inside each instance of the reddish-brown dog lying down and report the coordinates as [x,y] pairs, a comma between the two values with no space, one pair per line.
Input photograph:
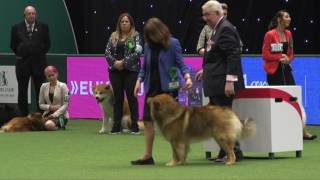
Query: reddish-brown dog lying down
[32,122]
[182,125]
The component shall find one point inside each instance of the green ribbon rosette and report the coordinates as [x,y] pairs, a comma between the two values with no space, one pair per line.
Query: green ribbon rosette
[174,76]
[130,45]
[173,73]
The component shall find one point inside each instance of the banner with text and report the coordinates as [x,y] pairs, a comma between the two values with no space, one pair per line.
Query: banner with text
[84,72]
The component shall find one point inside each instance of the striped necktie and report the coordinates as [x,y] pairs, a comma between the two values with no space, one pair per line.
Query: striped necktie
[29,30]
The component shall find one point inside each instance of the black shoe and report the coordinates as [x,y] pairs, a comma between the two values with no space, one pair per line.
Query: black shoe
[239,155]
[115,131]
[312,137]
[135,131]
[220,156]
[148,161]
[221,160]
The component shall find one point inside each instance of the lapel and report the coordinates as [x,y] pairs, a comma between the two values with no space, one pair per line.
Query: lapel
[46,95]
[276,36]
[216,30]
[36,27]
[55,95]
[147,56]
[161,55]
[23,27]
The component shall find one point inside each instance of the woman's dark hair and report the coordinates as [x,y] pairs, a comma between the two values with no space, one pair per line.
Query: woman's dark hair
[156,32]
[274,21]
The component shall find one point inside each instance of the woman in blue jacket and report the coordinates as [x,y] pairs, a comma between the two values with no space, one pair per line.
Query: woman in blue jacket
[162,60]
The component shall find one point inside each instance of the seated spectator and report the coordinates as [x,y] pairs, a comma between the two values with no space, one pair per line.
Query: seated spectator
[54,100]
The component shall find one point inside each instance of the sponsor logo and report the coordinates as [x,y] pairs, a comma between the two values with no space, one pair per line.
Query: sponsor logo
[254,82]
[84,87]
[3,78]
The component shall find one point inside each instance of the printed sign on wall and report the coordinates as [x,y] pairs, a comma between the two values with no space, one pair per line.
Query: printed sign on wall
[9,85]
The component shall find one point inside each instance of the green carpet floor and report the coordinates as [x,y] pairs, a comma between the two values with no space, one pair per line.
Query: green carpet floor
[80,153]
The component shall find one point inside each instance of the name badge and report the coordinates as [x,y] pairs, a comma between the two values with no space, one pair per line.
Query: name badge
[276,47]
[175,83]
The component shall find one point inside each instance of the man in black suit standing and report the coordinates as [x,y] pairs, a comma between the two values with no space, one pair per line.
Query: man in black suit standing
[30,42]
[222,70]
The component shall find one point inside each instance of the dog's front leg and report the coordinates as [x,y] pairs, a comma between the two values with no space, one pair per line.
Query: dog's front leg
[174,159]
[182,149]
[103,127]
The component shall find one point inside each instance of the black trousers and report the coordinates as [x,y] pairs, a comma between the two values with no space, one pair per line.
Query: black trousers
[283,76]
[24,70]
[224,101]
[124,81]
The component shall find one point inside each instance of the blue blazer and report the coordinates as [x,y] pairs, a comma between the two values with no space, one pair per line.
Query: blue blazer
[168,57]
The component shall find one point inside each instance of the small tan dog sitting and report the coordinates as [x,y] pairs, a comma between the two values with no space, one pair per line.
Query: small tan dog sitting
[104,96]
[32,122]
[182,125]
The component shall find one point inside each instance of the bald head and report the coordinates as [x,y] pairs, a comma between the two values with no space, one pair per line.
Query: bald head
[30,14]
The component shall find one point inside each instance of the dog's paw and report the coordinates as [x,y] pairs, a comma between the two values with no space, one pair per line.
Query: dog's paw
[125,130]
[102,131]
[230,163]
[171,163]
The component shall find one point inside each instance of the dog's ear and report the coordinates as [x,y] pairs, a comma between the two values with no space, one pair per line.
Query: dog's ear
[107,86]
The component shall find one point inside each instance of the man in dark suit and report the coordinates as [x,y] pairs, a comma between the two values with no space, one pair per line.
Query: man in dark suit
[222,71]
[30,42]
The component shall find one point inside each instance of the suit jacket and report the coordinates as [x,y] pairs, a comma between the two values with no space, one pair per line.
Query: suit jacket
[272,59]
[30,47]
[60,97]
[168,57]
[224,58]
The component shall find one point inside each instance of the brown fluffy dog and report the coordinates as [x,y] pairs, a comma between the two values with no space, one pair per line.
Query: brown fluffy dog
[32,122]
[104,96]
[182,125]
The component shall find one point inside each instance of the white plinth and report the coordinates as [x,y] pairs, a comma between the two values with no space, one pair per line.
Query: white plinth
[279,124]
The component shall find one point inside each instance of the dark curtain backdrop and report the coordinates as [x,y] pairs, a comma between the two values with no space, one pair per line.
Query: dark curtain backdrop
[94,20]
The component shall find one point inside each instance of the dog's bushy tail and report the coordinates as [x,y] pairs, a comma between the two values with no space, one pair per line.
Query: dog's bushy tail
[3,129]
[248,128]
